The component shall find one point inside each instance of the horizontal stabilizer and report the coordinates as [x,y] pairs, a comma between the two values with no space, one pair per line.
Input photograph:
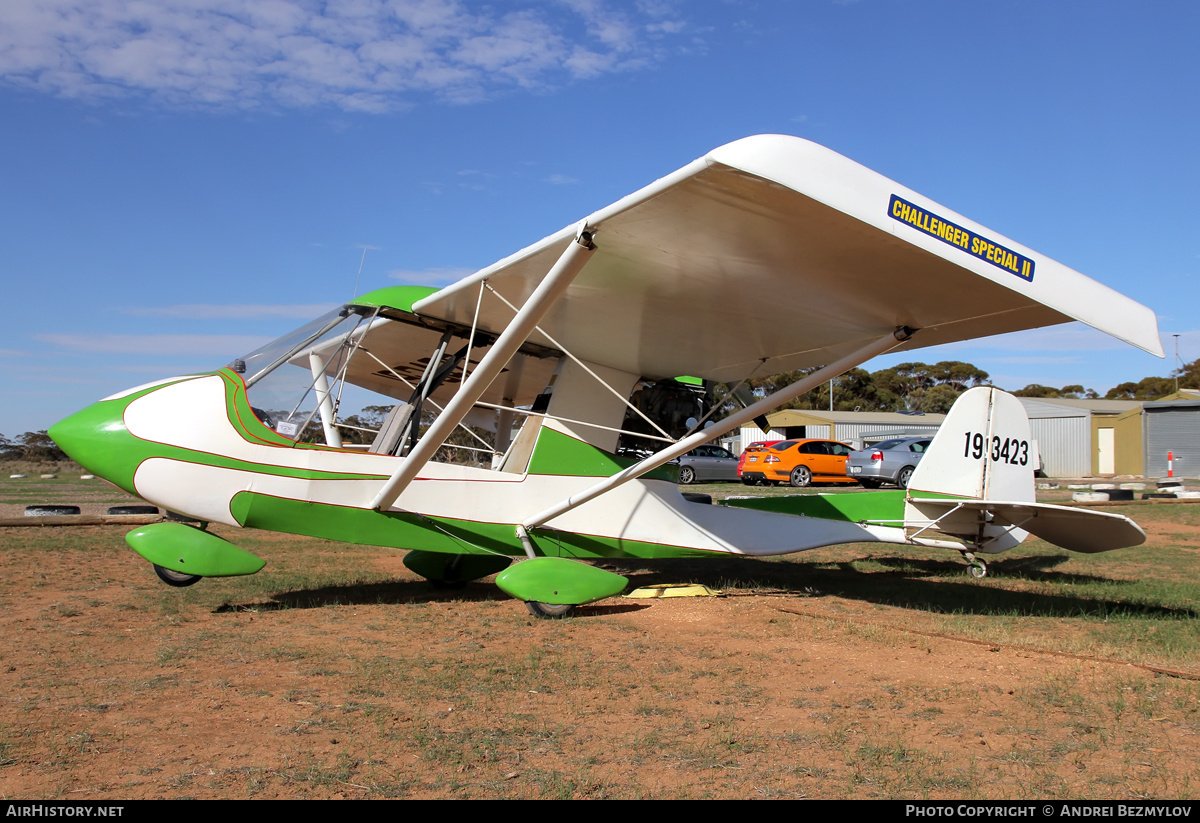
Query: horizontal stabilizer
[1078,530]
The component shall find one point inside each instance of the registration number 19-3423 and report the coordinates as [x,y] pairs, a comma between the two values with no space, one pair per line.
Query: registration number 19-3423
[1003,449]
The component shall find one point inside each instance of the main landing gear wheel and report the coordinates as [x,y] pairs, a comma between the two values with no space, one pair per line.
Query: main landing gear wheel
[177,579]
[549,610]
[978,568]
[687,475]
[801,476]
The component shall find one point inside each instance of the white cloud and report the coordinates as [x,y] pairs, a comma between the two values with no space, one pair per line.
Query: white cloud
[202,311]
[439,276]
[197,345]
[561,180]
[357,55]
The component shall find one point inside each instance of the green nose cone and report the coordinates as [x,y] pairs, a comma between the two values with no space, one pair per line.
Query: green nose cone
[96,438]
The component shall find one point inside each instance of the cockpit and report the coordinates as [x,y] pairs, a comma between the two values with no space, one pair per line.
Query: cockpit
[349,380]
[371,377]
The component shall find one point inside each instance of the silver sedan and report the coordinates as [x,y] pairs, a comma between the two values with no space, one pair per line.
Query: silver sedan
[891,461]
[707,463]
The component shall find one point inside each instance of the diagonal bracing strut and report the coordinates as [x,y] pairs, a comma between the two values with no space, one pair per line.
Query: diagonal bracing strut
[569,264]
[872,349]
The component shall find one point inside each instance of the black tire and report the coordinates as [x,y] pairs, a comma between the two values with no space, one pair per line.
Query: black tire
[978,569]
[870,484]
[133,509]
[746,481]
[177,579]
[50,511]
[549,611]
[687,475]
[903,476]
[801,477]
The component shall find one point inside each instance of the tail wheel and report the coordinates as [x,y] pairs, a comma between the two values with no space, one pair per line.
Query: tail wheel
[177,579]
[801,476]
[904,476]
[550,611]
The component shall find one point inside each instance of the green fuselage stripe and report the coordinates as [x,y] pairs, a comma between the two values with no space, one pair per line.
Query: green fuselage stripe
[403,530]
[881,508]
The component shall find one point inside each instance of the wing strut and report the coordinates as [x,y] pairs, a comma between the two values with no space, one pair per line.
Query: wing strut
[850,361]
[569,264]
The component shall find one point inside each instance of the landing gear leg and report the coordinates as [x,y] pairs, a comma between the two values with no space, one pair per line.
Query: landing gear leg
[977,568]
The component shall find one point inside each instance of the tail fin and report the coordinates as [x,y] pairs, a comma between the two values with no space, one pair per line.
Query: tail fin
[982,451]
[975,483]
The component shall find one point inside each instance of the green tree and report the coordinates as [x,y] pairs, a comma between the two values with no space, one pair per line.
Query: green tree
[1073,392]
[38,446]
[1148,388]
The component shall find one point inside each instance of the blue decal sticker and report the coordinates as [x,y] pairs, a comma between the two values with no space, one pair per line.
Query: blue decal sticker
[965,239]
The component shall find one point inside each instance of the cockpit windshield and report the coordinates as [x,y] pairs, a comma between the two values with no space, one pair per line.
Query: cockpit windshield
[350,380]
[296,383]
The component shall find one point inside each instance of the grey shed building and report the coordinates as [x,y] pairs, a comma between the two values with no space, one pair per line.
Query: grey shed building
[1172,426]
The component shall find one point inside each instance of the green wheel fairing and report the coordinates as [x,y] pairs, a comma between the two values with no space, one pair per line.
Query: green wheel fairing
[557,581]
[403,530]
[454,569]
[186,549]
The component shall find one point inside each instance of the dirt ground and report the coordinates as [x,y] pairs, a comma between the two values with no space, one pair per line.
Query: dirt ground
[338,673]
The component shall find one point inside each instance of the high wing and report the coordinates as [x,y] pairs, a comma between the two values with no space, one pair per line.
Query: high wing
[773,253]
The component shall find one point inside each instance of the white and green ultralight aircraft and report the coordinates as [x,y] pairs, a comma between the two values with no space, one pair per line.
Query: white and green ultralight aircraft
[555,367]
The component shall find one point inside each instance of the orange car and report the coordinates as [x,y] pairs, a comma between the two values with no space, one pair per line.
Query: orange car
[799,462]
[757,446]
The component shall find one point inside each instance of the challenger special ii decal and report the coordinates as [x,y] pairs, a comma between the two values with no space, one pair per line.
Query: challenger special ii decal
[965,239]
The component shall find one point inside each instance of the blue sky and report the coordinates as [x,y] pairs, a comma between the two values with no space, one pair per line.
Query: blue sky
[182,179]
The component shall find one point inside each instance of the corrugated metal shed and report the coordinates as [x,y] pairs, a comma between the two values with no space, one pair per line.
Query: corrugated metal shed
[1172,426]
[1068,433]
[849,427]
[1063,434]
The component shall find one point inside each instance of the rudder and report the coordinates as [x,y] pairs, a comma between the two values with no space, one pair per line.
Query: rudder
[982,451]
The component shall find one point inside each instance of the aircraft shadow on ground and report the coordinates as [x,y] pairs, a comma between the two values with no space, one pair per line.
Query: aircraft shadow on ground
[397,592]
[909,583]
[400,593]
